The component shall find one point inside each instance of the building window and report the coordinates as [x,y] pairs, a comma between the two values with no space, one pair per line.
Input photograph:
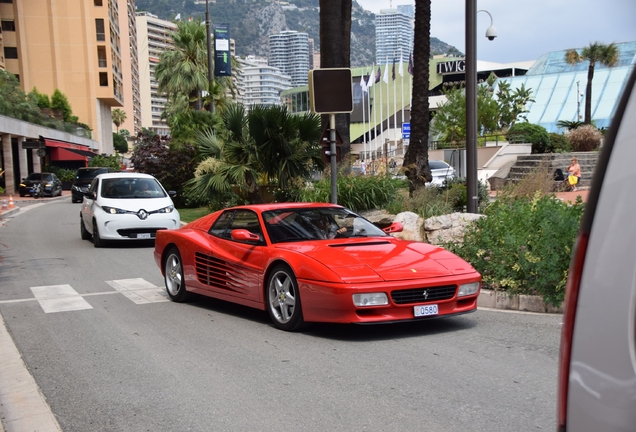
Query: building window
[101,56]
[98,3]
[99,29]
[103,79]
[8,25]
[10,52]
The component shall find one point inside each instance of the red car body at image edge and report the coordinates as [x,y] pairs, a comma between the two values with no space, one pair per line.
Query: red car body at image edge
[269,257]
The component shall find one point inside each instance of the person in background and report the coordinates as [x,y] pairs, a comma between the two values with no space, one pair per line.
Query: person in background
[574,170]
[363,168]
[328,228]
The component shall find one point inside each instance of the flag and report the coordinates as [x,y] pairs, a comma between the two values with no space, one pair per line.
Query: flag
[370,81]
[410,63]
[178,17]
[393,70]
[401,68]
[378,75]
[385,78]
[363,84]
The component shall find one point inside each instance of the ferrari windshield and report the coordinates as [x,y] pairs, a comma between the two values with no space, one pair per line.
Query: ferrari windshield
[322,223]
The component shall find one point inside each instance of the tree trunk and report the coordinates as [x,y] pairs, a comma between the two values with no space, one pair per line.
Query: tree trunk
[335,47]
[416,157]
[588,94]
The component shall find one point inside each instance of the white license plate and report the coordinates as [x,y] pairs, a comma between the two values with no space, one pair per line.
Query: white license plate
[426,310]
[143,235]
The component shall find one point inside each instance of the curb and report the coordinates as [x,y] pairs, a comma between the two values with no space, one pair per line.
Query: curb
[516,302]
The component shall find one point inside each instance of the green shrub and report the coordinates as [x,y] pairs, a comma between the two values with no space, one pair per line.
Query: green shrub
[559,143]
[355,192]
[111,161]
[527,132]
[523,245]
[585,138]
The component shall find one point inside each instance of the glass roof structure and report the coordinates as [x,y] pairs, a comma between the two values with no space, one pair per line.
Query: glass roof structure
[557,97]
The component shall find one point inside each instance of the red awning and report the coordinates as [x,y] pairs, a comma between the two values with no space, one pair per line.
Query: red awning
[61,151]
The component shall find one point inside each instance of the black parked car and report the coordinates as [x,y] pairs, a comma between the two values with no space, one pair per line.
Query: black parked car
[83,180]
[51,184]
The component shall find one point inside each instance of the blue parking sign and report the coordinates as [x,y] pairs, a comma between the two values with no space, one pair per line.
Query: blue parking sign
[406,130]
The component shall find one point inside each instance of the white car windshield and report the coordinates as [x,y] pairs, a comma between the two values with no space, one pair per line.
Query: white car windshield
[130,187]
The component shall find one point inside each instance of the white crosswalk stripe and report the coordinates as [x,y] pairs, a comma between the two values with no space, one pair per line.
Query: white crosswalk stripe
[139,290]
[59,298]
[64,298]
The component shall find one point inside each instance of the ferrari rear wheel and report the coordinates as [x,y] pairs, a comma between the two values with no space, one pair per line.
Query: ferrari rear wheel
[173,271]
[283,299]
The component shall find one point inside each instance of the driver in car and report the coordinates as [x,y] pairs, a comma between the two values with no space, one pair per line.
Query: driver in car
[328,229]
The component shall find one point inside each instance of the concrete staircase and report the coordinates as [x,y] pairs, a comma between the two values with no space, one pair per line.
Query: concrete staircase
[527,163]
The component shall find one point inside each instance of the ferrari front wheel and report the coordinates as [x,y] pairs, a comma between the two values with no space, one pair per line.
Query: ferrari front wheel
[283,299]
[173,271]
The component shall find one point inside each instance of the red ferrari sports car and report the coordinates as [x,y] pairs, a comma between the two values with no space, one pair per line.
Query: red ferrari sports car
[313,262]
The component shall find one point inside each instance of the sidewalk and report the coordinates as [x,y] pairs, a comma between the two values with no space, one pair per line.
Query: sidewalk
[24,201]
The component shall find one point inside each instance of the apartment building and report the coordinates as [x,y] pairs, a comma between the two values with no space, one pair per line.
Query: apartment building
[260,84]
[70,45]
[393,35]
[153,38]
[289,52]
[130,67]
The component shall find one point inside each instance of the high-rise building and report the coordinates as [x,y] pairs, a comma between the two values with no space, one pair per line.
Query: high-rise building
[289,52]
[70,45]
[130,67]
[260,84]
[393,34]
[153,38]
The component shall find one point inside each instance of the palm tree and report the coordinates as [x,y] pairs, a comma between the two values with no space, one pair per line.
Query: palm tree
[594,53]
[119,116]
[182,70]
[416,158]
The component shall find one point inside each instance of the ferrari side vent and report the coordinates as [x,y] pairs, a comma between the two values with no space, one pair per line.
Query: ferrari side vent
[424,295]
[218,273]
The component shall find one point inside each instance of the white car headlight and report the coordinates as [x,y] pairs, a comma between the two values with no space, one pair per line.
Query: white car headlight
[166,209]
[468,289]
[370,299]
[113,210]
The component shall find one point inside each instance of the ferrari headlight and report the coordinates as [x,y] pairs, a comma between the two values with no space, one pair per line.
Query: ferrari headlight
[113,210]
[468,289]
[166,209]
[370,299]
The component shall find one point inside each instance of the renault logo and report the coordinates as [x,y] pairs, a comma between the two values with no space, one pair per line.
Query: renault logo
[142,214]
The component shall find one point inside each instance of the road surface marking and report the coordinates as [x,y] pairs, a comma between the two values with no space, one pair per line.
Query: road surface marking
[139,290]
[59,298]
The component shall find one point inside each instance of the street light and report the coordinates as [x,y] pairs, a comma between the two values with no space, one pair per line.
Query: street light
[471,102]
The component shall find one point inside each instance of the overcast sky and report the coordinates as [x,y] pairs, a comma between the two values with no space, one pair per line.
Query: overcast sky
[528,28]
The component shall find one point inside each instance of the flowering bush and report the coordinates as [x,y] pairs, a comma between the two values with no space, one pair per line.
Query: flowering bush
[523,245]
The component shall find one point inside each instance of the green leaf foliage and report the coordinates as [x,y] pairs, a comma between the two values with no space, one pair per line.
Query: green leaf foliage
[523,245]
[530,133]
[119,143]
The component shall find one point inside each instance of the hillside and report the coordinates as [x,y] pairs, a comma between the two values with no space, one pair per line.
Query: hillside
[251,21]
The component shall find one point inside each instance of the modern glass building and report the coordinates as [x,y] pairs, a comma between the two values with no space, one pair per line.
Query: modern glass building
[289,52]
[393,35]
[558,88]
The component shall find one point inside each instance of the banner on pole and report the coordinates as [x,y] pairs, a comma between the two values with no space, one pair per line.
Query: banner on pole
[222,55]
[406,130]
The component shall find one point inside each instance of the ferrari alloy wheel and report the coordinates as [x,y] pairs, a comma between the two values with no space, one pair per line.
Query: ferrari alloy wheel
[97,240]
[283,299]
[173,273]
[83,231]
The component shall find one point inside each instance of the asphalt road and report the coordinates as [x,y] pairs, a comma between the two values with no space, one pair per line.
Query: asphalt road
[133,361]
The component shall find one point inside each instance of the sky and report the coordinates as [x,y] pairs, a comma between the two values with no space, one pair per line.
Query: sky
[528,28]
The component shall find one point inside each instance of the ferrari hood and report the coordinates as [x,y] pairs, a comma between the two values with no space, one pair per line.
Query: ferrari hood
[367,260]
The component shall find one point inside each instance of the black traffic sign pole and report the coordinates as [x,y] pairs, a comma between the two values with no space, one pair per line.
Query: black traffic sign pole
[332,150]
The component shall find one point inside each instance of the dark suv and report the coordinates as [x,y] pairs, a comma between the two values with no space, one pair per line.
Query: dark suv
[83,180]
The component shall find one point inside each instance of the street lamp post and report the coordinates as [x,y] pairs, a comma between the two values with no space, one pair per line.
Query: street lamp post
[209,41]
[471,102]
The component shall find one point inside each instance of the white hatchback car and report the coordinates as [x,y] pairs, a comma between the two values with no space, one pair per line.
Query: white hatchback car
[126,206]
[441,171]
